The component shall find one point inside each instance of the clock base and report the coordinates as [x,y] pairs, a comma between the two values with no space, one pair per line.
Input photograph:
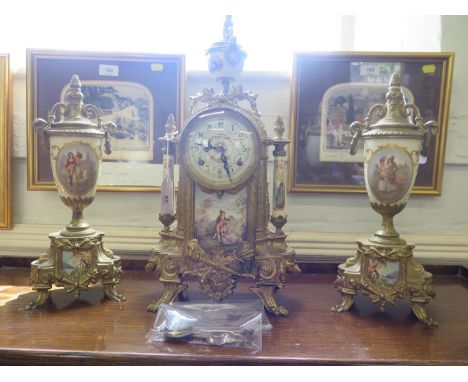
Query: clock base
[384,273]
[173,258]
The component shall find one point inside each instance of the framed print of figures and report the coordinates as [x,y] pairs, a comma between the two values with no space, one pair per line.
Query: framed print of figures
[135,91]
[6,218]
[331,90]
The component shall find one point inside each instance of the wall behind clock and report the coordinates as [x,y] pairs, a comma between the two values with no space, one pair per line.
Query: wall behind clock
[321,226]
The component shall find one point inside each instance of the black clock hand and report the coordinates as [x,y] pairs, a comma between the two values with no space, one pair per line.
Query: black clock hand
[207,147]
[226,165]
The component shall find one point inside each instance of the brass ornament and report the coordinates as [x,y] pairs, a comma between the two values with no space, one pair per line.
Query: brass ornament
[167,220]
[74,134]
[413,282]
[277,218]
[278,222]
[261,255]
[384,267]
[98,264]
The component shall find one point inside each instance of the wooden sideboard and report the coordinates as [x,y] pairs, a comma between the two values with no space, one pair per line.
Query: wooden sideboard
[95,332]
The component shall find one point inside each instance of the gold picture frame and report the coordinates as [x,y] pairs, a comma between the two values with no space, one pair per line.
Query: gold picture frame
[137,91]
[6,216]
[331,90]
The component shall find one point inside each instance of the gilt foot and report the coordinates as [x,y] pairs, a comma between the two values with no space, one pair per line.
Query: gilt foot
[111,293]
[346,303]
[42,296]
[419,311]
[266,294]
[171,290]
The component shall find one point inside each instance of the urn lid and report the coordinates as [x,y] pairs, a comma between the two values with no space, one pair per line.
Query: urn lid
[74,115]
[228,47]
[395,117]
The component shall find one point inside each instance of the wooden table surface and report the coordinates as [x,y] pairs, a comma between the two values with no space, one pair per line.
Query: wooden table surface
[93,332]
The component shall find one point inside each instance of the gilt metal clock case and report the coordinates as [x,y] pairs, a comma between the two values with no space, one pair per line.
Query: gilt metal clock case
[223,214]
[220,148]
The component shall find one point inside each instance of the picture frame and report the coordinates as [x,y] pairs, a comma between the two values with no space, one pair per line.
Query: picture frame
[6,201]
[331,90]
[134,90]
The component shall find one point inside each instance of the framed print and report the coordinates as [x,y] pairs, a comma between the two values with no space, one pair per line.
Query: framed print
[6,218]
[331,90]
[135,91]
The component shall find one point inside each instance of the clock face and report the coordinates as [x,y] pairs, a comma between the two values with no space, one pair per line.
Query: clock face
[220,149]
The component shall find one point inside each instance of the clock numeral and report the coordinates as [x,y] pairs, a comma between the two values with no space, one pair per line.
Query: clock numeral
[239,162]
[200,134]
[220,125]
[209,127]
[201,162]
[244,149]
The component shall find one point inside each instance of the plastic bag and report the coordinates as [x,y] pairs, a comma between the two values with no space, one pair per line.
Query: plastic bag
[238,324]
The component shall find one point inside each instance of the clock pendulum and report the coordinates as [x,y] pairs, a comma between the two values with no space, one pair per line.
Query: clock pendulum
[223,208]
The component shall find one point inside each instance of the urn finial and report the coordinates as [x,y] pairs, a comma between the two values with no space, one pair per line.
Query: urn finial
[228,32]
[279,127]
[170,126]
[74,99]
[395,103]
[395,80]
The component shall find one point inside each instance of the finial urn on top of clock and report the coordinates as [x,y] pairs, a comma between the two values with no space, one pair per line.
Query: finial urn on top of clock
[226,58]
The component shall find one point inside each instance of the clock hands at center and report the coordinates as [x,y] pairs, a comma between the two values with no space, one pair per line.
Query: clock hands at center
[223,158]
[226,165]
[207,147]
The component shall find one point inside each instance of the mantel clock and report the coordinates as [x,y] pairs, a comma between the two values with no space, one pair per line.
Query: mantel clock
[223,208]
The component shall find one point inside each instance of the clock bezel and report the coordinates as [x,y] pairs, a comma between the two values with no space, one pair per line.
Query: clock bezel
[241,117]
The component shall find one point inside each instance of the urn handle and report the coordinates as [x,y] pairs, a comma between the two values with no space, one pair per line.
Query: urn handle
[430,128]
[427,129]
[107,142]
[41,126]
[356,131]
[357,128]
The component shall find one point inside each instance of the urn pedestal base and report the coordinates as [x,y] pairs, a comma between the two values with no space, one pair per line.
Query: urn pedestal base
[385,273]
[218,273]
[74,263]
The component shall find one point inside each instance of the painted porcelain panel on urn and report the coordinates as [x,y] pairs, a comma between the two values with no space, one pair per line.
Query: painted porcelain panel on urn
[390,168]
[75,165]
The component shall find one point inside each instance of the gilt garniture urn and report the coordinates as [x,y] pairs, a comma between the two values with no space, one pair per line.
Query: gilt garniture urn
[74,134]
[384,268]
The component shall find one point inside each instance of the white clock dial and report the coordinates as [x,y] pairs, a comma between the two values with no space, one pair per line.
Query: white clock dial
[220,149]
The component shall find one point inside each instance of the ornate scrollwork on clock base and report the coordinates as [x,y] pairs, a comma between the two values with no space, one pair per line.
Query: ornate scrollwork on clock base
[218,273]
[385,273]
[74,263]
